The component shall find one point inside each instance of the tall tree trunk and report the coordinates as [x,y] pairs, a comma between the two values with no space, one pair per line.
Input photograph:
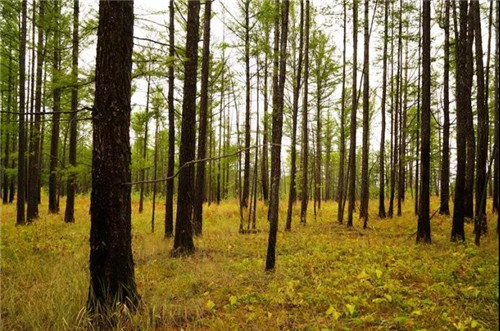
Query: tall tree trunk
[458,231]
[419,80]
[381,195]
[445,162]
[202,133]
[155,169]
[354,102]
[471,140]
[144,149]
[6,180]
[169,197]
[318,158]
[363,213]
[183,242]
[496,180]
[265,120]
[295,110]
[32,210]
[424,224]
[69,214]
[56,95]
[341,189]
[482,128]
[305,133]
[21,179]
[246,171]
[111,261]
[277,128]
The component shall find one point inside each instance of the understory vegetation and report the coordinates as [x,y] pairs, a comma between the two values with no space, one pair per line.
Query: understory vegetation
[328,276]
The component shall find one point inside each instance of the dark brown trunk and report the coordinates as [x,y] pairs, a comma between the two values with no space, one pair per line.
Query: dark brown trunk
[363,213]
[424,224]
[169,197]
[381,195]
[69,214]
[202,133]
[183,242]
[246,170]
[445,162]
[277,127]
[305,133]
[341,187]
[111,261]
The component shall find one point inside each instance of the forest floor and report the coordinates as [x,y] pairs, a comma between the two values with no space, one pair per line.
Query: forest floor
[327,276]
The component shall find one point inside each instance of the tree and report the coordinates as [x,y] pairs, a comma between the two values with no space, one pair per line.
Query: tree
[111,261]
[56,108]
[32,210]
[277,127]
[145,146]
[363,213]
[202,133]
[424,223]
[462,90]
[480,225]
[354,102]
[69,214]
[305,133]
[444,208]
[246,169]
[340,192]
[169,196]
[381,204]
[183,240]
[21,179]
[295,110]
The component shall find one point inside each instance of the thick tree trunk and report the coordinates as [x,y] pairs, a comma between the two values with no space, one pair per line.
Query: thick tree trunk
[295,110]
[69,214]
[363,213]
[480,225]
[277,128]
[458,231]
[21,178]
[183,241]
[169,197]
[354,106]
[56,108]
[202,133]
[424,224]
[111,262]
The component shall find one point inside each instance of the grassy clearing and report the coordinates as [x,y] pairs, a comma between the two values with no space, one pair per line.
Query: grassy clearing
[327,276]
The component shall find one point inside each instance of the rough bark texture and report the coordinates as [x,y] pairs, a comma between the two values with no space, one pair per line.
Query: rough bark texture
[363,213]
[169,197]
[277,128]
[295,110]
[480,225]
[202,129]
[445,161]
[354,102]
[424,224]
[341,189]
[457,230]
[34,170]
[111,262]
[305,133]
[56,108]
[381,194]
[183,241]
[21,179]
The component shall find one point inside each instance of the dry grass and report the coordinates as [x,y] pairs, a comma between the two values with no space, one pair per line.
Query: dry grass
[327,276]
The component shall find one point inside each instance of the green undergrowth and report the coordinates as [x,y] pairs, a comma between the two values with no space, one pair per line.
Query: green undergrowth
[327,276]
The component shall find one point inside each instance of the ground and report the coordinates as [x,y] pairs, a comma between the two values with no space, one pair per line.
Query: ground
[327,276]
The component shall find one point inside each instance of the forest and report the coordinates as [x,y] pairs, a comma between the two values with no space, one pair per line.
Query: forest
[249,164]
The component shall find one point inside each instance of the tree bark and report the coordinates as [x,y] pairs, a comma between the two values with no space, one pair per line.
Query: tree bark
[111,261]
[246,171]
[424,224]
[354,102]
[202,133]
[69,214]
[144,148]
[363,213]
[169,197]
[340,192]
[277,128]
[445,162]
[381,195]
[305,133]
[183,241]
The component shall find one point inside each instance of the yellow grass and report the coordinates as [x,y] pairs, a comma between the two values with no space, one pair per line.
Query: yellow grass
[327,276]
